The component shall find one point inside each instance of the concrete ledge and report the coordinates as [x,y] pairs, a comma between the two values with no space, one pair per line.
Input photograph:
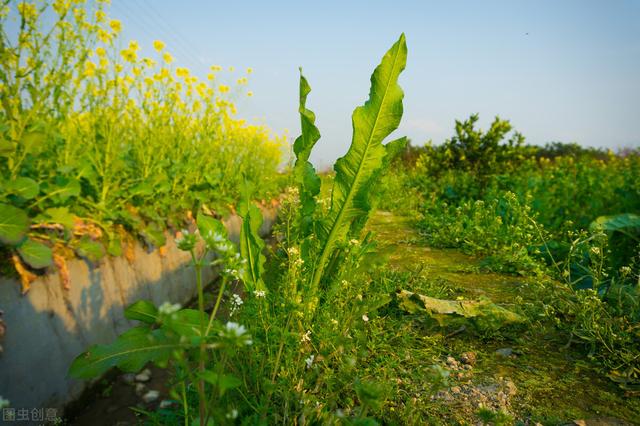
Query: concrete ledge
[49,326]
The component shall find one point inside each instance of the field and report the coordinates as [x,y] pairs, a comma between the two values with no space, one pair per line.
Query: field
[480,281]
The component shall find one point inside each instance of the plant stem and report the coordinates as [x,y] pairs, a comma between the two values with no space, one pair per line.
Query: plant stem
[202,406]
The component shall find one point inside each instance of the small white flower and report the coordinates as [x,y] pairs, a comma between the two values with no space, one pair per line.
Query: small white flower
[309,361]
[169,308]
[293,251]
[233,330]
[260,293]
[354,242]
[595,250]
[365,318]
[4,403]
[233,414]
[236,300]
[306,337]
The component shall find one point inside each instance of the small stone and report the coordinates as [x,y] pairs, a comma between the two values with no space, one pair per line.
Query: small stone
[150,396]
[468,358]
[144,376]
[468,367]
[455,389]
[505,352]
[165,403]
[140,388]
[451,360]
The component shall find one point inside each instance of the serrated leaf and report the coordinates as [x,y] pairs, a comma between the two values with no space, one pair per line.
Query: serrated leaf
[115,246]
[24,187]
[89,249]
[14,224]
[36,254]
[129,352]
[142,310]
[357,170]
[303,171]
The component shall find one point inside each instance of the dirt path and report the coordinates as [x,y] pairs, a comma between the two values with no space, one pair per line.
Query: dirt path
[530,375]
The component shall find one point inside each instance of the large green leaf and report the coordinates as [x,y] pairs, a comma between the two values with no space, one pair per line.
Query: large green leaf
[304,173]
[14,224]
[483,314]
[251,245]
[626,223]
[36,254]
[24,187]
[142,310]
[129,352]
[358,169]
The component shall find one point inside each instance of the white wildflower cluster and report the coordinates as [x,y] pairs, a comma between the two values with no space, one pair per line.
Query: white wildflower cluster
[236,302]
[595,250]
[168,308]
[220,244]
[354,242]
[309,361]
[293,251]
[365,318]
[237,332]
[625,270]
[260,293]
[233,414]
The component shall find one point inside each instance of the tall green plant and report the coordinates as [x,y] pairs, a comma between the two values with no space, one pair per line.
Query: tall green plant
[358,171]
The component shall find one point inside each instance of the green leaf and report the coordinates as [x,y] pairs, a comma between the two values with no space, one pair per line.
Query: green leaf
[303,171]
[64,188]
[14,224]
[36,254]
[251,245]
[483,314]
[185,322]
[89,249]
[129,352]
[24,187]
[208,224]
[59,215]
[115,245]
[223,382]
[357,171]
[154,234]
[626,223]
[6,148]
[142,310]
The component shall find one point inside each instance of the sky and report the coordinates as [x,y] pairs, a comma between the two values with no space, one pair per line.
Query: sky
[558,70]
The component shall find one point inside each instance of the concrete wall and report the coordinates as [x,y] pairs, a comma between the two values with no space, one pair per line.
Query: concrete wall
[49,326]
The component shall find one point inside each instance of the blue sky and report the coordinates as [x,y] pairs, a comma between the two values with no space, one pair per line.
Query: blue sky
[574,77]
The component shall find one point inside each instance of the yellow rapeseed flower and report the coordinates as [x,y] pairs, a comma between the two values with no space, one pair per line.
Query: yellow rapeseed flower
[249,70]
[223,89]
[215,68]
[89,69]
[133,45]
[129,55]
[167,57]
[28,11]
[231,68]
[249,93]
[104,36]
[158,45]
[211,76]
[100,16]
[116,26]
[101,52]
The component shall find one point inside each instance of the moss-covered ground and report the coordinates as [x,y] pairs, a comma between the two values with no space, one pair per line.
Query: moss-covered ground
[523,375]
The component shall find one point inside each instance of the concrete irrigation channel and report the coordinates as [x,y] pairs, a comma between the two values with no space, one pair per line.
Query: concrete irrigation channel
[49,326]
